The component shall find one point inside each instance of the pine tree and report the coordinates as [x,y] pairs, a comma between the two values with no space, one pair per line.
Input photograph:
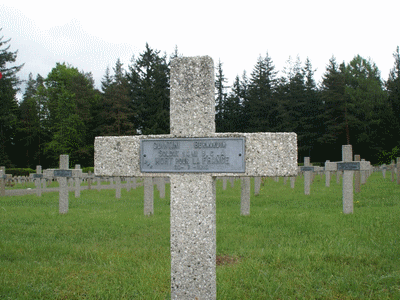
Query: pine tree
[311,120]
[393,86]
[148,80]
[116,107]
[233,109]
[335,132]
[220,101]
[262,105]
[8,103]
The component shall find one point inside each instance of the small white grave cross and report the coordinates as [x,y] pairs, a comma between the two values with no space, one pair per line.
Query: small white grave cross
[348,167]
[192,155]
[62,174]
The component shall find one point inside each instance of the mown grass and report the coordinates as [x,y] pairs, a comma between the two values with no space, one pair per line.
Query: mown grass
[292,246]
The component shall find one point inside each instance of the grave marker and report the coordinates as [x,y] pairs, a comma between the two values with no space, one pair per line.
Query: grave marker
[398,169]
[3,178]
[245,196]
[191,170]
[38,180]
[327,176]
[257,185]
[348,167]
[308,169]
[62,174]
[357,176]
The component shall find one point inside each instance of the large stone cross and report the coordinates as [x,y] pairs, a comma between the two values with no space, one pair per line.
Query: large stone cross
[192,155]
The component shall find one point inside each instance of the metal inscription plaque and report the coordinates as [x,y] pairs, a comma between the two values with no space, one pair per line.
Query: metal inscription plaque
[37,175]
[193,155]
[62,173]
[348,166]
[307,169]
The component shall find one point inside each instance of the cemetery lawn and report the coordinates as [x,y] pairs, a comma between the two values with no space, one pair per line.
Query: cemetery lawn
[291,246]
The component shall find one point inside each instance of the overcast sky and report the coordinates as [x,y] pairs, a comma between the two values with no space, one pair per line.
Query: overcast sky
[92,35]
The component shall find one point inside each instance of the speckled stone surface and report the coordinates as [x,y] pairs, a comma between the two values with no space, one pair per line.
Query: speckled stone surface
[118,187]
[267,154]
[38,182]
[148,196]
[357,176]
[63,193]
[307,176]
[257,185]
[193,212]
[77,183]
[347,155]
[245,196]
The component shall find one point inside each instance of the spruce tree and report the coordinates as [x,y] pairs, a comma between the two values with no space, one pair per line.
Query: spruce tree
[262,106]
[148,80]
[9,86]
[393,86]
[220,101]
[116,107]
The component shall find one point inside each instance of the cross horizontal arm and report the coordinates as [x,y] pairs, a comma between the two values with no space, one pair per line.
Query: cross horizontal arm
[350,166]
[266,154]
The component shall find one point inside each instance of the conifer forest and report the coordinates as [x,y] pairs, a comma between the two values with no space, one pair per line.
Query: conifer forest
[62,112]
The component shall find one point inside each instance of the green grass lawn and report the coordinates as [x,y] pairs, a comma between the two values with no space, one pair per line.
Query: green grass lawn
[292,246]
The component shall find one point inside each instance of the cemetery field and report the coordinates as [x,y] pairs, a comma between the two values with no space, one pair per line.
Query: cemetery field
[292,246]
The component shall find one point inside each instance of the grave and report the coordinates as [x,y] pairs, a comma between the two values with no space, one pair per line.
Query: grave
[308,169]
[245,196]
[3,178]
[192,155]
[357,176]
[38,180]
[62,174]
[398,169]
[327,176]
[348,167]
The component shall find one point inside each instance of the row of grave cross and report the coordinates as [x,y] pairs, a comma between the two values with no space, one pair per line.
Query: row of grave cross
[192,156]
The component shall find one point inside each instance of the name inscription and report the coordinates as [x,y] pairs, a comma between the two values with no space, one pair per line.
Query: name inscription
[196,155]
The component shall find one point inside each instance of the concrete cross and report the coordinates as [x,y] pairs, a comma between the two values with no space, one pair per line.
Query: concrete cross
[192,155]
[38,180]
[62,174]
[348,167]
[3,178]
[308,169]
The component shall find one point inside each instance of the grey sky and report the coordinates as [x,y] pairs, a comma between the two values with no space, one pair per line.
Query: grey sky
[92,35]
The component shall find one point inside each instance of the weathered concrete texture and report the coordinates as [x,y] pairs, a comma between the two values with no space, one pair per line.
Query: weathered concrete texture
[77,183]
[347,155]
[193,214]
[118,187]
[398,169]
[245,197]
[292,181]
[2,181]
[193,237]
[160,183]
[307,177]
[192,108]
[357,176]
[327,177]
[63,193]
[148,196]
[257,185]
[267,154]
[38,182]
[224,183]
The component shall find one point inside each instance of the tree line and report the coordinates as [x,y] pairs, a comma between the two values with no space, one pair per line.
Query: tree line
[63,112]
